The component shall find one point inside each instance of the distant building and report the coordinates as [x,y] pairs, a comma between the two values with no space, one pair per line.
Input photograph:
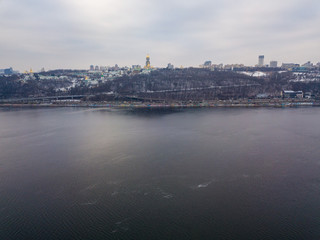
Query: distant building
[290,66]
[228,67]
[261,61]
[308,95]
[148,66]
[233,66]
[91,68]
[273,64]
[136,67]
[170,66]
[308,65]
[292,94]
[96,68]
[103,68]
[217,66]
[263,95]
[238,65]
[8,71]
[207,64]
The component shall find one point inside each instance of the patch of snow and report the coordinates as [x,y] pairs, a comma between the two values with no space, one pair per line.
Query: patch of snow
[255,74]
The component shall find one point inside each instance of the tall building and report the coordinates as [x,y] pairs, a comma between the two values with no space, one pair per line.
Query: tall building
[148,62]
[273,64]
[261,61]
[91,68]
[170,66]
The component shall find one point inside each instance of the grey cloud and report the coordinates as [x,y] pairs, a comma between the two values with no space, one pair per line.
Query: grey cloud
[77,33]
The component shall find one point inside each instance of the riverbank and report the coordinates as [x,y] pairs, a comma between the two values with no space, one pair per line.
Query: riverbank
[204,104]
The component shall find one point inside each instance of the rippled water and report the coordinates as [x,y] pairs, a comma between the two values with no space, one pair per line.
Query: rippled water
[171,174]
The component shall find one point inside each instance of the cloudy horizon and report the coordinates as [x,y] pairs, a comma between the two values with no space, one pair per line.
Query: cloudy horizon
[77,33]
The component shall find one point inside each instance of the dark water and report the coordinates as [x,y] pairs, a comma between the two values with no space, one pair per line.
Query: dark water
[187,174]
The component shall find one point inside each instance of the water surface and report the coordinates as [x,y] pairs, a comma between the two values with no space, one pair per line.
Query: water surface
[171,174]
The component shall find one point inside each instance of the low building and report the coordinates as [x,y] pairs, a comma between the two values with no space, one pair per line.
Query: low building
[217,66]
[207,64]
[136,67]
[308,65]
[290,66]
[308,95]
[7,71]
[273,64]
[292,94]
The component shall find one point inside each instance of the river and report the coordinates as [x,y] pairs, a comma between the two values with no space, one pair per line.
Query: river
[90,173]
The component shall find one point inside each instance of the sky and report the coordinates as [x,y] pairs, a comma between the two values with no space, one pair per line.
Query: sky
[77,33]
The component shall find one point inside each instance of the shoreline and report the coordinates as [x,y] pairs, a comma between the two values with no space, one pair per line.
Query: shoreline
[213,104]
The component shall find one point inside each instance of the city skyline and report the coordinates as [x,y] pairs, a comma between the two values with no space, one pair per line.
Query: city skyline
[76,34]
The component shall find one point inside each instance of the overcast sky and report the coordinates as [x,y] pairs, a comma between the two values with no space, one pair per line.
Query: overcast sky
[76,33]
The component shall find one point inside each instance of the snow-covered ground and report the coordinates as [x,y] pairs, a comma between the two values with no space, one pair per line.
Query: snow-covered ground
[255,74]
[305,77]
